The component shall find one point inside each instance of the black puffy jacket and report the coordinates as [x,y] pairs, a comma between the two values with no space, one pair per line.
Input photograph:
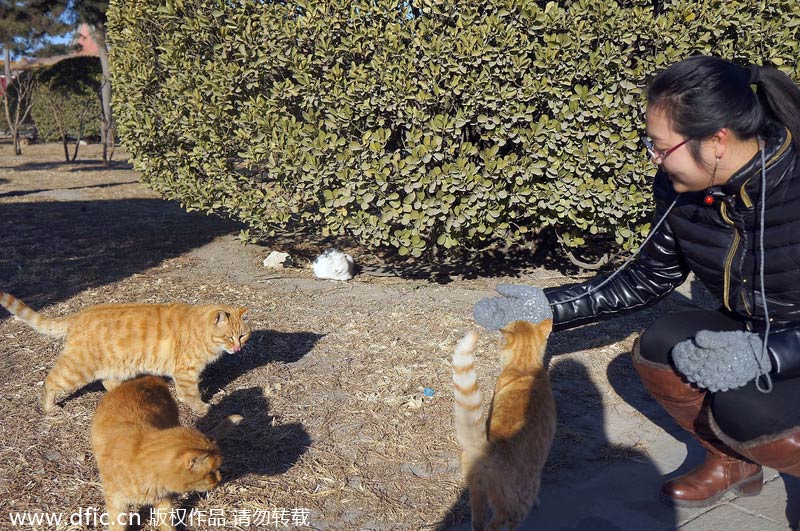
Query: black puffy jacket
[720,244]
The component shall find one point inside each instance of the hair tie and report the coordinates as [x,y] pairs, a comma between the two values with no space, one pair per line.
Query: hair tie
[755,76]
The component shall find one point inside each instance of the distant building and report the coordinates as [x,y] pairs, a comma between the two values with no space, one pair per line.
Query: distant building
[16,67]
[81,36]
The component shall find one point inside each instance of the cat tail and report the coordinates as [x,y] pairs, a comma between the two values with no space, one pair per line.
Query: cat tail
[469,426]
[37,321]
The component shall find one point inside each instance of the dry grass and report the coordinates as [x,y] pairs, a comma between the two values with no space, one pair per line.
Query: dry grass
[330,385]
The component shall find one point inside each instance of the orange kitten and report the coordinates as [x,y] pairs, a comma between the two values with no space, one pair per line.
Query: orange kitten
[114,342]
[503,464]
[145,456]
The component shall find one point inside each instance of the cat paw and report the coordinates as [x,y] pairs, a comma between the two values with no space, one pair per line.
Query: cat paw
[47,401]
[49,409]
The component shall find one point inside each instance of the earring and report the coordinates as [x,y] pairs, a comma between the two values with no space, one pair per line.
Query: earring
[709,199]
[714,173]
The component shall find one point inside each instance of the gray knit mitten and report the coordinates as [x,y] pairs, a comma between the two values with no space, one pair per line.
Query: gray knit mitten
[720,361]
[518,303]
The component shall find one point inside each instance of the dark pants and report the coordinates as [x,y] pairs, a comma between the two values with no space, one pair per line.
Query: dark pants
[745,413]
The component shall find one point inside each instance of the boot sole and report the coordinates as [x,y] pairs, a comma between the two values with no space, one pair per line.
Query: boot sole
[750,486]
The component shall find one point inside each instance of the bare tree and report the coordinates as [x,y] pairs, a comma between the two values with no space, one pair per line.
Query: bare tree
[23,25]
[17,103]
[69,114]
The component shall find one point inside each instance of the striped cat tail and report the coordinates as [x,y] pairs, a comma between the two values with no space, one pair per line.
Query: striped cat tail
[37,321]
[469,425]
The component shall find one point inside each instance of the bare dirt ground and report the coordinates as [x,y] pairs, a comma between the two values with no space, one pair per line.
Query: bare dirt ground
[337,429]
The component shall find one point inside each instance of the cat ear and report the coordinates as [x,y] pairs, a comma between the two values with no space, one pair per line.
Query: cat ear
[546,326]
[243,314]
[196,459]
[222,318]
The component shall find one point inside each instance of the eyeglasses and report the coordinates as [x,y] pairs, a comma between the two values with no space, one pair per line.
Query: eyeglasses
[659,156]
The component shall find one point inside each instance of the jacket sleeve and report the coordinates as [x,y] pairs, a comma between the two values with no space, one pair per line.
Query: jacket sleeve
[784,351]
[655,272]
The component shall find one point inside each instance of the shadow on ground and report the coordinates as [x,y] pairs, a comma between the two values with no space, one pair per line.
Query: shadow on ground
[260,445]
[792,484]
[54,250]
[264,346]
[76,166]
[486,263]
[18,193]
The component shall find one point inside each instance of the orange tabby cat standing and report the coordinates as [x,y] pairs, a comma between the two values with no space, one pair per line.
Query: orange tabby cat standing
[114,342]
[502,459]
[145,456]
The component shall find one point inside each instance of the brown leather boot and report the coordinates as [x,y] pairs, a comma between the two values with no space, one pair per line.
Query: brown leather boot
[708,483]
[723,469]
[781,453]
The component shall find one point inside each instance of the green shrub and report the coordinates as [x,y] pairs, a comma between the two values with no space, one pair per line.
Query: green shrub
[66,101]
[463,125]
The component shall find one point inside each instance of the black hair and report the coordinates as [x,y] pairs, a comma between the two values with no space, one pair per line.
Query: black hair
[701,95]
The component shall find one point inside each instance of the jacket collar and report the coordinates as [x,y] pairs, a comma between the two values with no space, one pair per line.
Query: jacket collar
[777,141]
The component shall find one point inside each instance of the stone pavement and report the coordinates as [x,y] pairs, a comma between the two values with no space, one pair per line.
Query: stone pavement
[624,496]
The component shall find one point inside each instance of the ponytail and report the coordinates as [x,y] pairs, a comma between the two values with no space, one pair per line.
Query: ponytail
[780,96]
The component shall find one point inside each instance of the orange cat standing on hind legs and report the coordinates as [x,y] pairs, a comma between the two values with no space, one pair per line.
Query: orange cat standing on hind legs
[502,459]
[114,342]
[145,456]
